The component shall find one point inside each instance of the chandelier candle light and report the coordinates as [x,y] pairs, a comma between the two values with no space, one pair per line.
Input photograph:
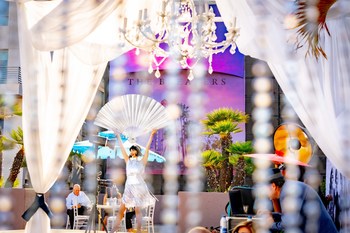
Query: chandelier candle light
[192,22]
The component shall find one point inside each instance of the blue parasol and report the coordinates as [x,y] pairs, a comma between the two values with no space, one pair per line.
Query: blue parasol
[87,148]
[110,135]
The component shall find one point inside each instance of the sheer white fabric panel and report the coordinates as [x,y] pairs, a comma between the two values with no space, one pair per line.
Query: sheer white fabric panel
[321,102]
[94,24]
[58,89]
[80,18]
[246,20]
[319,92]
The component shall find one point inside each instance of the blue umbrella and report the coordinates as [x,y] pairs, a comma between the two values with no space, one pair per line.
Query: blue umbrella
[110,135]
[104,152]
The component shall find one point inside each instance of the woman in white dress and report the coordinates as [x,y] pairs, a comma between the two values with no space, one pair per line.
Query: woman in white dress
[136,193]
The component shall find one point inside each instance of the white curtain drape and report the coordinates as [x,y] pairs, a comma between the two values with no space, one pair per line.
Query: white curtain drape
[65,45]
[64,49]
[319,89]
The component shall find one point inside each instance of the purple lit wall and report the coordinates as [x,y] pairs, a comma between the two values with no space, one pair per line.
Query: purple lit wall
[222,63]
[222,90]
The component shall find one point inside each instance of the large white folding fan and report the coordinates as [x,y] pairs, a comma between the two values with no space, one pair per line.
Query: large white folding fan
[132,115]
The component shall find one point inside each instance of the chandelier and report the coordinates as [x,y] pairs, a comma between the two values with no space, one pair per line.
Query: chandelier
[182,29]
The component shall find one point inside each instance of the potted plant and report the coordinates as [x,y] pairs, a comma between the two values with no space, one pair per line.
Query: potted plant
[243,166]
[224,122]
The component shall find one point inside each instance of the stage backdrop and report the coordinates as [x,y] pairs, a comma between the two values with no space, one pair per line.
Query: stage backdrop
[223,88]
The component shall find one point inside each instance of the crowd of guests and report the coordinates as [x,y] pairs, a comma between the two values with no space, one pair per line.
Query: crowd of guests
[79,200]
[136,196]
[279,191]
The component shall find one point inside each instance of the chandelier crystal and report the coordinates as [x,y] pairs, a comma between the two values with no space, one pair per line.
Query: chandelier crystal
[182,29]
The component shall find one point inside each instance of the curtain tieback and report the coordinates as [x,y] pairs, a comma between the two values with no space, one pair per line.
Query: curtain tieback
[39,202]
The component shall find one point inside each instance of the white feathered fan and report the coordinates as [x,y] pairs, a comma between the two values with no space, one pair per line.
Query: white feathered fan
[132,115]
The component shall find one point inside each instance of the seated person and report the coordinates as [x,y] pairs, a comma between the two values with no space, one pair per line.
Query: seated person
[112,194]
[111,197]
[279,190]
[77,199]
[244,227]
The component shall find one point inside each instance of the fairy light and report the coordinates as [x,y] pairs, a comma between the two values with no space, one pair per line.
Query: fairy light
[170,173]
[7,221]
[262,123]
[262,144]
[118,87]
[145,88]
[311,209]
[57,200]
[195,177]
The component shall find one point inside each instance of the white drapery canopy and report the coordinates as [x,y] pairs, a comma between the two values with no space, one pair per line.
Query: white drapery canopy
[64,49]
[65,46]
[319,89]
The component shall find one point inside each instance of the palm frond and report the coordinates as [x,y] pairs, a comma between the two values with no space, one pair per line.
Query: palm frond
[308,32]
[223,114]
[6,143]
[17,136]
[10,108]
[223,121]
[211,158]
[241,148]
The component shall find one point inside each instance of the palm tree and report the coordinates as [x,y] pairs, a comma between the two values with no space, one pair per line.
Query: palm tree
[223,122]
[212,161]
[243,165]
[73,166]
[9,106]
[15,141]
[3,146]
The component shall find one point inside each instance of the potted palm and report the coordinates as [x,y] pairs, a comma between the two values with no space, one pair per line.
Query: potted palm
[212,161]
[224,122]
[243,165]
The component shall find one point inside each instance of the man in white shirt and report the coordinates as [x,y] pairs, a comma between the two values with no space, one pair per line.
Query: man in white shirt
[77,199]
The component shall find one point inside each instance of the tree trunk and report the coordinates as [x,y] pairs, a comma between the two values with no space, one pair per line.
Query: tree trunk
[239,177]
[16,166]
[212,179]
[226,169]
